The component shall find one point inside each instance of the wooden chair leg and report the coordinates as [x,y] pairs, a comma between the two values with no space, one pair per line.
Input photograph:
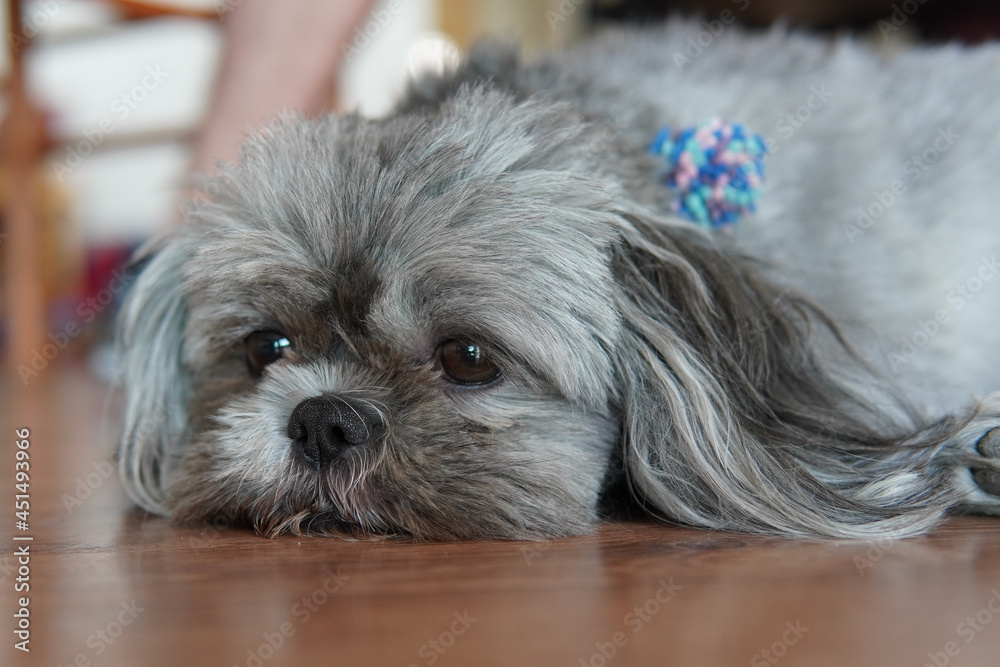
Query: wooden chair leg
[22,141]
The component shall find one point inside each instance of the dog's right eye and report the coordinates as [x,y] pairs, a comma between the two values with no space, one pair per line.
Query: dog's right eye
[464,363]
[263,348]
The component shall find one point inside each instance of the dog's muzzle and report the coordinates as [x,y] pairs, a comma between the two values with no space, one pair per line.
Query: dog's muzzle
[324,427]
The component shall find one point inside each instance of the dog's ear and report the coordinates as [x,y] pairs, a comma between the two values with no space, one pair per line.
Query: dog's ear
[156,387]
[730,421]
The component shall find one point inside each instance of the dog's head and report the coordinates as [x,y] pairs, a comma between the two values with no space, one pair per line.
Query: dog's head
[459,323]
[404,326]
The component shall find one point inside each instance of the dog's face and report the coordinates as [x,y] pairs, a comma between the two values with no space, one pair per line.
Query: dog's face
[397,327]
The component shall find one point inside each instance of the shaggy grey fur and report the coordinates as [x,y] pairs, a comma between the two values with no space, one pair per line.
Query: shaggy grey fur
[742,383]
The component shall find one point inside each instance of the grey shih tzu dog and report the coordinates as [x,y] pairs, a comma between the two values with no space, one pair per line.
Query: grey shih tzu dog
[487,316]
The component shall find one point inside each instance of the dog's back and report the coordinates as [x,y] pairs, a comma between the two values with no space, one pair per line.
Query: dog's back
[880,194]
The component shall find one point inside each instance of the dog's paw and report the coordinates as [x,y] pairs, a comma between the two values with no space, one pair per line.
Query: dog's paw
[987,479]
[980,484]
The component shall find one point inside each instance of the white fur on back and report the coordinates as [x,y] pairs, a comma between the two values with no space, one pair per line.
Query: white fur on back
[862,116]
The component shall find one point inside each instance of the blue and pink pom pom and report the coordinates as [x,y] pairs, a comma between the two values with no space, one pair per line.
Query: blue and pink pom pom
[717,169]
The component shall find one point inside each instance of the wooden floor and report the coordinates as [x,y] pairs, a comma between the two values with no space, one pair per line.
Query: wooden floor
[110,586]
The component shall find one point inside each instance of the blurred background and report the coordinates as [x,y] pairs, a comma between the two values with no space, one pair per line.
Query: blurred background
[108,106]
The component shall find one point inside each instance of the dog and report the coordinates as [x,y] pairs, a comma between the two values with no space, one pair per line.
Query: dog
[484,316]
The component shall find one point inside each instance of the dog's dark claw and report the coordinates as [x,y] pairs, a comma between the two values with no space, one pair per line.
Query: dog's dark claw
[989,446]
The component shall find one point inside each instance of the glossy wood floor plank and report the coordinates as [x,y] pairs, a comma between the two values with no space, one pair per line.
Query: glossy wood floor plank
[110,586]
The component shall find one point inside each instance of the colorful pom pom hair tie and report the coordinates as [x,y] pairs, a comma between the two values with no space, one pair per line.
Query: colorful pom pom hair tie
[717,169]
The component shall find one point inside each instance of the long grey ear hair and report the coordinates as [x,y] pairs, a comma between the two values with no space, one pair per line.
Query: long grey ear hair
[156,387]
[738,415]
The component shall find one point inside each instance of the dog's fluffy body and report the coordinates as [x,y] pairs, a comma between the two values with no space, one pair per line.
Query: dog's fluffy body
[516,207]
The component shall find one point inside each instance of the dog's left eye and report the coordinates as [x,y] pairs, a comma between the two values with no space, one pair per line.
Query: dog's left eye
[464,363]
[263,348]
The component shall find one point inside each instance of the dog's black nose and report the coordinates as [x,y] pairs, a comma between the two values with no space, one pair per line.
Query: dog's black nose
[323,426]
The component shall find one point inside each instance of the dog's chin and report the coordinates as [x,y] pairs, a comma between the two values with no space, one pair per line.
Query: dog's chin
[342,500]
[370,511]
[368,494]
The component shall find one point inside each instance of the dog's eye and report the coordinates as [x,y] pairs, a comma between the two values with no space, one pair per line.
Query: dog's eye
[263,348]
[465,363]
